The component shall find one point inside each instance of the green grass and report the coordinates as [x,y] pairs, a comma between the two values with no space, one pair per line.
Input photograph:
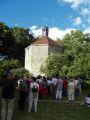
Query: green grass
[54,111]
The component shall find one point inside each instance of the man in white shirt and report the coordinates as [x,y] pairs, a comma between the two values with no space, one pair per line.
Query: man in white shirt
[33,96]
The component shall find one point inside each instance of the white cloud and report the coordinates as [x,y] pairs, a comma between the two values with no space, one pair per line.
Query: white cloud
[85,11]
[54,32]
[75,3]
[78,21]
[36,31]
[87,30]
[34,27]
[82,7]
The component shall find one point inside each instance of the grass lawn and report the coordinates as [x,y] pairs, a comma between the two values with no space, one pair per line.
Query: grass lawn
[54,111]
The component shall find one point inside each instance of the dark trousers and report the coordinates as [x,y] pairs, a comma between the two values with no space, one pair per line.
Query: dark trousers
[65,92]
[53,91]
[22,100]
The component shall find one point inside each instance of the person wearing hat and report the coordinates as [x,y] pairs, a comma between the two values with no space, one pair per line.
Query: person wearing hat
[8,91]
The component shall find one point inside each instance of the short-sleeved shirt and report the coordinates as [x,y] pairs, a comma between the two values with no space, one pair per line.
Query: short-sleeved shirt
[34,84]
[71,87]
[54,81]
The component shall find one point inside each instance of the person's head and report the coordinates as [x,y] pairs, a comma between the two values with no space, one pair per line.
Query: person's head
[34,79]
[10,76]
[39,77]
[65,78]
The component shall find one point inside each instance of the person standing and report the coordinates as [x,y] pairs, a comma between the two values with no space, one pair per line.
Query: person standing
[79,85]
[65,85]
[71,89]
[33,96]
[53,87]
[59,89]
[23,93]
[8,92]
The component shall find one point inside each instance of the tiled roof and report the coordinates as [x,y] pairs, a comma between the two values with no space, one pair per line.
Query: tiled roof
[45,40]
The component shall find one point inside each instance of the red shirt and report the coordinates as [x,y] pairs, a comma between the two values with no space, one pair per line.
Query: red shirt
[65,83]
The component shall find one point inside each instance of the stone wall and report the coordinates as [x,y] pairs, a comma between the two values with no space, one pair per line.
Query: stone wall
[28,54]
[53,49]
[35,57]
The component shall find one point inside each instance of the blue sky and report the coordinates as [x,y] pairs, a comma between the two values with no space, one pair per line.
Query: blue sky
[59,15]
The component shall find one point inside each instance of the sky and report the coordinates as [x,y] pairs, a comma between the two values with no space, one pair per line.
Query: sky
[61,16]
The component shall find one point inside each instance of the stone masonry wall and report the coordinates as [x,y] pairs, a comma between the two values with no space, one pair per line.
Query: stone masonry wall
[35,57]
[53,49]
[28,55]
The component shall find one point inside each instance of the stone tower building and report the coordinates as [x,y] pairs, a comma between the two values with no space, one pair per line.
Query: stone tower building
[37,53]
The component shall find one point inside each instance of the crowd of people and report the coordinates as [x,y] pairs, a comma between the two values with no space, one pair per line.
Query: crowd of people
[35,88]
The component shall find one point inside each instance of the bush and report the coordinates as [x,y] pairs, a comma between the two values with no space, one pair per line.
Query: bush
[20,72]
[8,65]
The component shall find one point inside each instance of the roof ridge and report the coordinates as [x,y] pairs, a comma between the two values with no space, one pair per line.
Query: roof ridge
[45,40]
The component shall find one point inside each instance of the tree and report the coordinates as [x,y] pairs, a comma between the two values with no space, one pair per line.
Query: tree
[75,59]
[20,72]
[22,40]
[8,65]
[77,49]
[13,42]
[6,41]
[53,65]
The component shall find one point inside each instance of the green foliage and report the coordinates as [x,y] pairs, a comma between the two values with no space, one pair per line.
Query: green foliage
[14,66]
[22,40]
[6,40]
[13,42]
[8,65]
[53,66]
[20,72]
[75,59]
[22,36]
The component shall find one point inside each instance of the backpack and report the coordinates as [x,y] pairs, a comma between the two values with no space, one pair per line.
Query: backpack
[34,89]
[79,82]
[23,86]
